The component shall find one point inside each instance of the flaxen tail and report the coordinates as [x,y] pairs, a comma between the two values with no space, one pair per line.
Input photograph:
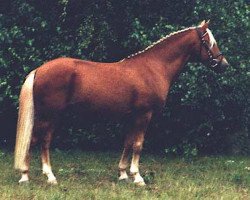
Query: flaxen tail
[25,123]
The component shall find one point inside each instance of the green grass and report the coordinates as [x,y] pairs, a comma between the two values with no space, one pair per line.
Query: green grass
[93,175]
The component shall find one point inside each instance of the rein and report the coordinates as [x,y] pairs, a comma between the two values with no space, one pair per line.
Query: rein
[213,60]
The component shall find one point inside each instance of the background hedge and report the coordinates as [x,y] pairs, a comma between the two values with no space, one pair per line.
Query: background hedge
[205,112]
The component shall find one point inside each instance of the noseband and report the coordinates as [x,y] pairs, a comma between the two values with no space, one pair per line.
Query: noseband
[213,60]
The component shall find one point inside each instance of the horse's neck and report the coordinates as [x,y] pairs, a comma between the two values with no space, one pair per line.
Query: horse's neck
[170,55]
[174,66]
[176,53]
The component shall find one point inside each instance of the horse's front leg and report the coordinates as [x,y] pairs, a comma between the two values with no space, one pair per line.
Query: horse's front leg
[134,140]
[137,147]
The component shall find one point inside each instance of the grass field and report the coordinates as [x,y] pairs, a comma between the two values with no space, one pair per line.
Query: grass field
[93,175]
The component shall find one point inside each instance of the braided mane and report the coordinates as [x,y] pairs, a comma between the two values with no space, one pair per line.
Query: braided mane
[157,42]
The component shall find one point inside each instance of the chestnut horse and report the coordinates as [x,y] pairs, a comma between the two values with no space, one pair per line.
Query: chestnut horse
[129,90]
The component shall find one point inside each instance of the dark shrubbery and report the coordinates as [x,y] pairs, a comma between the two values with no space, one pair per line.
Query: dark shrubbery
[205,112]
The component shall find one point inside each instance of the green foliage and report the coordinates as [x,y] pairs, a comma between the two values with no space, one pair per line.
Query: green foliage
[205,111]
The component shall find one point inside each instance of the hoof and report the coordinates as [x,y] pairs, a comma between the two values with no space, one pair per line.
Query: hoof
[124,180]
[123,177]
[24,179]
[141,183]
[23,182]
[52,182]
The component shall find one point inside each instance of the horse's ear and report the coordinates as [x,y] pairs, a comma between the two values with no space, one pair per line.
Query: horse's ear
[204,24]
[207,23]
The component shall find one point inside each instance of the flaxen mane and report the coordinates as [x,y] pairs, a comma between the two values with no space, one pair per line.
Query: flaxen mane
[157,42]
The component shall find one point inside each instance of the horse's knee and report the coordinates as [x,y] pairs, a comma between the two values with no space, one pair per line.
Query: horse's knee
[45,145]
[46,139]
[137,147]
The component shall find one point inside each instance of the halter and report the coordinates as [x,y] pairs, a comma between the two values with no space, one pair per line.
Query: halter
[213,60]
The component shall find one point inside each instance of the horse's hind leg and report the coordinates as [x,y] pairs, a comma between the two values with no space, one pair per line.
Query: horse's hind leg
[46,165]
[25,174]
[124,158]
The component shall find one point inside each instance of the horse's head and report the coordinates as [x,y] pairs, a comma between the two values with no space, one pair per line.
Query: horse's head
[208,51]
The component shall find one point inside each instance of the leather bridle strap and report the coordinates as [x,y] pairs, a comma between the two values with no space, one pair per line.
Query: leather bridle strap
[211,58]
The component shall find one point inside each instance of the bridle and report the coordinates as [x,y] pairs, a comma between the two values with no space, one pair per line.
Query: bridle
[213,60]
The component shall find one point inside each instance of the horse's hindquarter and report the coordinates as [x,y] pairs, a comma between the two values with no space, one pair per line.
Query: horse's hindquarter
[53,85]
[98,87]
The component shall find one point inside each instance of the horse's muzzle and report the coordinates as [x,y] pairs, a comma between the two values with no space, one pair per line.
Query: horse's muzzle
[221,66]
